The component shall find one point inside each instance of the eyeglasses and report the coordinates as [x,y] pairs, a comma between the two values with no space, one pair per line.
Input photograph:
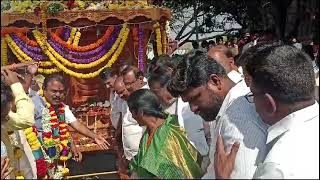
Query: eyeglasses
[250,97]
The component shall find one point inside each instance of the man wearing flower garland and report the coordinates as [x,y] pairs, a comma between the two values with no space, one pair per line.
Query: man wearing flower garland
[54,94]
[52,117]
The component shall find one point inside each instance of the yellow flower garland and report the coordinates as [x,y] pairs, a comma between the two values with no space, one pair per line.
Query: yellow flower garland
[14,47]
[48,71]
[123,36]
[72,34]
[164,42]
[15,53]
[4,52]
[20,54]
[158,38]
[52,54]
[46,63]
[76,39]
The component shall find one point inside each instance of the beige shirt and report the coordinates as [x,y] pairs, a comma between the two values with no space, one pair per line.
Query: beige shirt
[21,119]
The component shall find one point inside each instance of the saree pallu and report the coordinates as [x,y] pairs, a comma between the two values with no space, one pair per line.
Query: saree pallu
[169,155]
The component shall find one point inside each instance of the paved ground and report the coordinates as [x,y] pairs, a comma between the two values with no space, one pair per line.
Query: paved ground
[94,162]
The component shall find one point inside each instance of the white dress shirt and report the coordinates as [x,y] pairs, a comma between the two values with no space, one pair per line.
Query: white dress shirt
[235,76]
[238,120]
[193,125]
[131,132]
[294,147]
[69,116]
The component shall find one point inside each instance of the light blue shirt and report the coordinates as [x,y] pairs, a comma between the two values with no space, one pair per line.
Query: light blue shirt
[3,150]
[39,105]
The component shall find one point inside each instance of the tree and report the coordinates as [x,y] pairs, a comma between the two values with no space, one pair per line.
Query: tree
[212,16]
[285,17]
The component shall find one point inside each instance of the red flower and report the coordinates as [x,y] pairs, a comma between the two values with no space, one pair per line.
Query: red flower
[70,4]
[55,126]
[41,167]
[47,134]
[63,138]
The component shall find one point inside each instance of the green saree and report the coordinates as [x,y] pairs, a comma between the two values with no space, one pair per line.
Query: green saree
[169,156]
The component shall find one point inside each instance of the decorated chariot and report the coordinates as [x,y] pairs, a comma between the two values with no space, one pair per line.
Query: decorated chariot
[78,39]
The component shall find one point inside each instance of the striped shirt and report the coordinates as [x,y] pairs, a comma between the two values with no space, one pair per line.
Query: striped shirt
[237,120]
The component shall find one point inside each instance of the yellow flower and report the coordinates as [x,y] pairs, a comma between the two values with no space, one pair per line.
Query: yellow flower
[33,140]
[72,34]
[76,39]
[63,125]
[19,177]
[63,158]
[48,71]
[4,52]
[60,147]
[22,57]
[31,135]
[158,38]
[64,142]
[34,147]
[53,55]
[28,130]
[123,37]
[45,63]
[65,171]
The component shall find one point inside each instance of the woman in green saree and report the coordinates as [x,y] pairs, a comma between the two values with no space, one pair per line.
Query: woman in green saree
[164,150]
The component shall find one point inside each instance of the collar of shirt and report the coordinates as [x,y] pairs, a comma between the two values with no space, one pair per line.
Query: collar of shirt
[292,120]
[146,86]
[113,97]
[235,76]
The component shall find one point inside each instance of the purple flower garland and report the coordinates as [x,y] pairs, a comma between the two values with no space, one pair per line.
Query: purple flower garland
[66,33]
[31,48]
[140,50]
[76,56]
[33,52]
[92,52]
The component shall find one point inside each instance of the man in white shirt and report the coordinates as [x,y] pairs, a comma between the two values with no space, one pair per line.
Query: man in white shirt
[133,80]
[283,92]
[192,123]
[224,56]
[203,82]
[54,90]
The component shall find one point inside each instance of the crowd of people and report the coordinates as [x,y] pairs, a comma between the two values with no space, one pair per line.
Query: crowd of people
[235,110]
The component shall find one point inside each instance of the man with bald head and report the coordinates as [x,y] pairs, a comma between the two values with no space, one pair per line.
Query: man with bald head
[134,79]
[224,56]
[131,80]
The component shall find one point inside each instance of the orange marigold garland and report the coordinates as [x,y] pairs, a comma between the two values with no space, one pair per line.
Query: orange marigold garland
[89,47]
[28,41]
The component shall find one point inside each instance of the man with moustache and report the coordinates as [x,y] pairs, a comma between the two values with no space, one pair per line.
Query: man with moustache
[133,79]
[54,94]
[204,83]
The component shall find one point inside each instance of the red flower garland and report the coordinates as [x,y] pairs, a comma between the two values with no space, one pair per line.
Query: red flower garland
[41,167]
